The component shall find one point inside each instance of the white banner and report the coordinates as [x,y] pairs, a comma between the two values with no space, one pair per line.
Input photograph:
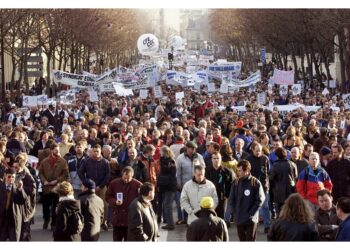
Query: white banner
[93,96]
[107,77]
[224,88]
[283,90]
[157,90]
[81,81]
[143,93]
[332,84]
[283,77]
[179,95]
[106,87]
[346,100]
[30,101]
[211,87]
[296,89]
[252,79]
[121,91]
[234,68]
[42,100]
[262,98]
[325,92]
[141,84]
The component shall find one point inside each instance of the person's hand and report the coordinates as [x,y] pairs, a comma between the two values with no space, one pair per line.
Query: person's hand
[20,185]
[46,183]
[119,202]
[97,189]
[54,182]
[334,227]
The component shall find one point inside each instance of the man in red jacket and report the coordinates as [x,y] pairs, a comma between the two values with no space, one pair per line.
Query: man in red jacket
[120,193]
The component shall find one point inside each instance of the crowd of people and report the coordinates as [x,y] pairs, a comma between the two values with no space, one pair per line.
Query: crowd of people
[126,162]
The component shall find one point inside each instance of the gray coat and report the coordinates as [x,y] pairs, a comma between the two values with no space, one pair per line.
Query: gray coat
[14,215]
[185,166]
[92,209]
[142,221]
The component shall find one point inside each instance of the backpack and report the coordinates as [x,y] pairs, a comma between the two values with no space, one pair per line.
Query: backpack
[76,222]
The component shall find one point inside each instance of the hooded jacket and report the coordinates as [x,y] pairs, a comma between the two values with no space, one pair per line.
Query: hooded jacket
[208,227]
[192,193]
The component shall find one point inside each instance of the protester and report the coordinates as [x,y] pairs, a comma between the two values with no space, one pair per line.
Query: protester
[295,222]
[208,226]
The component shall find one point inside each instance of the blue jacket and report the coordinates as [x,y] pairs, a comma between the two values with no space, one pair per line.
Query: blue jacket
[344,230]
[98,171]
[246,198]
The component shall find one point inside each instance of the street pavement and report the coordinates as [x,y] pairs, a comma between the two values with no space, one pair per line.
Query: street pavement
[177,235]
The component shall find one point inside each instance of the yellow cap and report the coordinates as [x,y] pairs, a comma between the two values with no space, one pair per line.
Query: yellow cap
[207,202]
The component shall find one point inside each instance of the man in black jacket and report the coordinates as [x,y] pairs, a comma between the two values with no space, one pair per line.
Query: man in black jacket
[246,198]
[208,226]
[260,170]
[222,179]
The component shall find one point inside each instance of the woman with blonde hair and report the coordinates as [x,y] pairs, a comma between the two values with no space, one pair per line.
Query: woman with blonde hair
[295,222]
[67,207]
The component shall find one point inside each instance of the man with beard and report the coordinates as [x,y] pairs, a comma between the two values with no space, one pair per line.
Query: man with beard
[52,170]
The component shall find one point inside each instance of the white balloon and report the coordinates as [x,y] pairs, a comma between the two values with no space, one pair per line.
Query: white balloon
[148,44]
[176,41]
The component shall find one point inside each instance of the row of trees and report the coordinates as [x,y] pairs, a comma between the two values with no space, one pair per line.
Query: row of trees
[314,35]
[70,38]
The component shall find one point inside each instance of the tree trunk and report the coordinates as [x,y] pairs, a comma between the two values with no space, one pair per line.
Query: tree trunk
[341,38]
[295,63]
[48,72]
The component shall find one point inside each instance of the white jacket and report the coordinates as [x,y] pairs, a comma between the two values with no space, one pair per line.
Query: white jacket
[191,195]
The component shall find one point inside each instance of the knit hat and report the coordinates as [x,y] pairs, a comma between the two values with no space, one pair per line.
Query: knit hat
[89,184]
[207,202]
[325,151]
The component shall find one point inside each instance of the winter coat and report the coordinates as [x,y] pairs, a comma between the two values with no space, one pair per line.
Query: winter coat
[222,180]
[185,167]
[208,227]
[152,167]
[246,198]
[73,165]
[96,170]
[130,192]
[167,176]
[65,209]
[311,181]
[192,193]
[283,178]
[142,221]
[29,187]
[325,220]
[260,169]
[49,173]
[282,230]
[92,208]
[344,230]
[14,215]
[339,172]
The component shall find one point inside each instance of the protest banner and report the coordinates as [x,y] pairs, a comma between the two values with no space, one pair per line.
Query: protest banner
[283,77]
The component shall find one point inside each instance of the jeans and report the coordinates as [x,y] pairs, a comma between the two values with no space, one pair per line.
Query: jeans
[168,198]
[180,215]
[228,212]
[265,211]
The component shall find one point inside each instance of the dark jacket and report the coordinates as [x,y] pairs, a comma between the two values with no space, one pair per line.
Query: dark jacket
[301,164]
[325,220]
[282,230]
[222,179]
[246,198]
[98,171]
[14,215]
[29,187]
[65,210]
[15,146]
[339,172]
[142,221]
[130,192]
[344,230]
[260,169]
[283,178]
[208,227]
[167,176]
[92,208]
